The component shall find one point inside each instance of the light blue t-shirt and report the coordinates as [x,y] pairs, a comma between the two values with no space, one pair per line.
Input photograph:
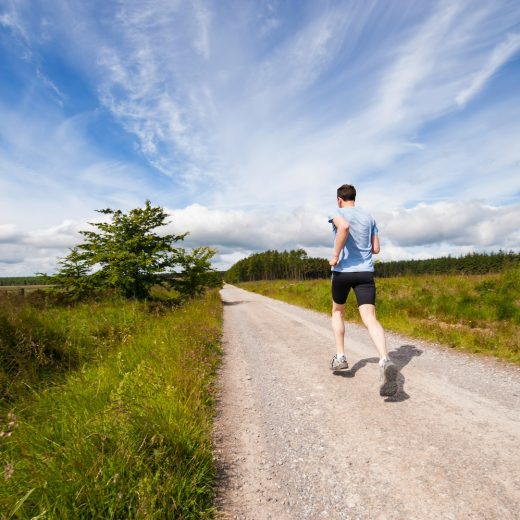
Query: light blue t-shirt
[356,255]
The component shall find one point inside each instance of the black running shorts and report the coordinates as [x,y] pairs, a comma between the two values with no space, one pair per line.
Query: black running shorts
[362,282]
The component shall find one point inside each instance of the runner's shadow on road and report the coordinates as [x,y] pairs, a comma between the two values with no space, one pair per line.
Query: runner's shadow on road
[239,302]
[401,357]
[355,367]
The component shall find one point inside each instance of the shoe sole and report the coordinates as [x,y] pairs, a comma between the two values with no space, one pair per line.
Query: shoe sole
[337,369]
[389,387]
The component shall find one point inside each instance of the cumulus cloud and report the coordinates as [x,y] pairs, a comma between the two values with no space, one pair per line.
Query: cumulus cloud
[9,257]
[423,231]
[458,223]
[252,230]
[8,233]
[62,236]
[27,252]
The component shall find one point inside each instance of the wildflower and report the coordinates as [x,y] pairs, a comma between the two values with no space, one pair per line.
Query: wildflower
[8,471]
[10,424]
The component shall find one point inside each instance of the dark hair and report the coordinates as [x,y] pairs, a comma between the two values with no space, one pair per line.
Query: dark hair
[347,192]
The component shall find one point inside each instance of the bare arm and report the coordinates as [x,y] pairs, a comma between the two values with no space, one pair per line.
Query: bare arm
[342,229]
[376,246]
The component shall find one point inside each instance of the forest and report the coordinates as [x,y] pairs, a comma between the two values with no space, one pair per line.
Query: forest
[297,265]
[276,265]
[473,263]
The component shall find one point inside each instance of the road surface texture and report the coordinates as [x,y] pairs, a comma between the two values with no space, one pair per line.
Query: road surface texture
[294,441]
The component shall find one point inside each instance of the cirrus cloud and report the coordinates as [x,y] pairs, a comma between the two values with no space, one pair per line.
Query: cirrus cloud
[245,117]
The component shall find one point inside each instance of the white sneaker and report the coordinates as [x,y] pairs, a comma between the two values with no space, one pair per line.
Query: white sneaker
[338,363]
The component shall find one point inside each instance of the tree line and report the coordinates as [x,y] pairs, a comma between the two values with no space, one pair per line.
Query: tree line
[473,263]
[273,265]
[297,265]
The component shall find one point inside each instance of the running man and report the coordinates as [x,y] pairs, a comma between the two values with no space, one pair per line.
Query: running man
[356,240]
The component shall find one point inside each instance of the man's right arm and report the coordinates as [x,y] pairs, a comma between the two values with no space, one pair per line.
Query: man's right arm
[342,229]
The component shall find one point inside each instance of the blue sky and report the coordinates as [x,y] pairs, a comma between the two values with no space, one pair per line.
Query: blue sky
[243,117]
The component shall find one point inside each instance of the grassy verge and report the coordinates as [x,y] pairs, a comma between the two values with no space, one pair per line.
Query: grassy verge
[479,314]
[117,420]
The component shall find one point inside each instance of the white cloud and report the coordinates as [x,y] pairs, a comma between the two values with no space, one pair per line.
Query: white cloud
[414,71]
[242,124]
[269,25]
[5,20]
[462,223]
[141,75]
[48,162]
[425,231]
[8,233]
[290,153]
[62,236]
[11,20]
[259,114]
[9,257]
[58,94]
[255,230]
[303,58]
[203,18]
[226,260]
[500,55]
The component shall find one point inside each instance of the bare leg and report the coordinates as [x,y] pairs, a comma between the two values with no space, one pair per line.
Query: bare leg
[375,330]
[338,326]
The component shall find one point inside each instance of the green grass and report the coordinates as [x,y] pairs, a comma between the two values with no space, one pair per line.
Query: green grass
[479,314]
[117,425]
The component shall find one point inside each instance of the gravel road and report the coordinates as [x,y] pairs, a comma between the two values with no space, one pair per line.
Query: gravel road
[294,441]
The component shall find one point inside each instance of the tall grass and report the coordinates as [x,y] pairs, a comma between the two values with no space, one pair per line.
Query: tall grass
[478,313]
[40,341]
[124,430]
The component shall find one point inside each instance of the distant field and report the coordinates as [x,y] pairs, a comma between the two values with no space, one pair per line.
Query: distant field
[476,313]
[22,280]
[24,287]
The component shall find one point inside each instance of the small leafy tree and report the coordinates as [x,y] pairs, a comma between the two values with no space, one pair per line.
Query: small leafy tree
[73,276]
[128,255]
[197,273]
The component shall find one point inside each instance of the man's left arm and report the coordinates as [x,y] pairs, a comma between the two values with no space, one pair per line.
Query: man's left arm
[376,245]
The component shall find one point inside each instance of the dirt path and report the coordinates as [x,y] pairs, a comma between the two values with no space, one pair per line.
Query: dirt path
[295,441]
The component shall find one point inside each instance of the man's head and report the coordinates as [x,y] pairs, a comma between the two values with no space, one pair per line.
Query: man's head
[347,192]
